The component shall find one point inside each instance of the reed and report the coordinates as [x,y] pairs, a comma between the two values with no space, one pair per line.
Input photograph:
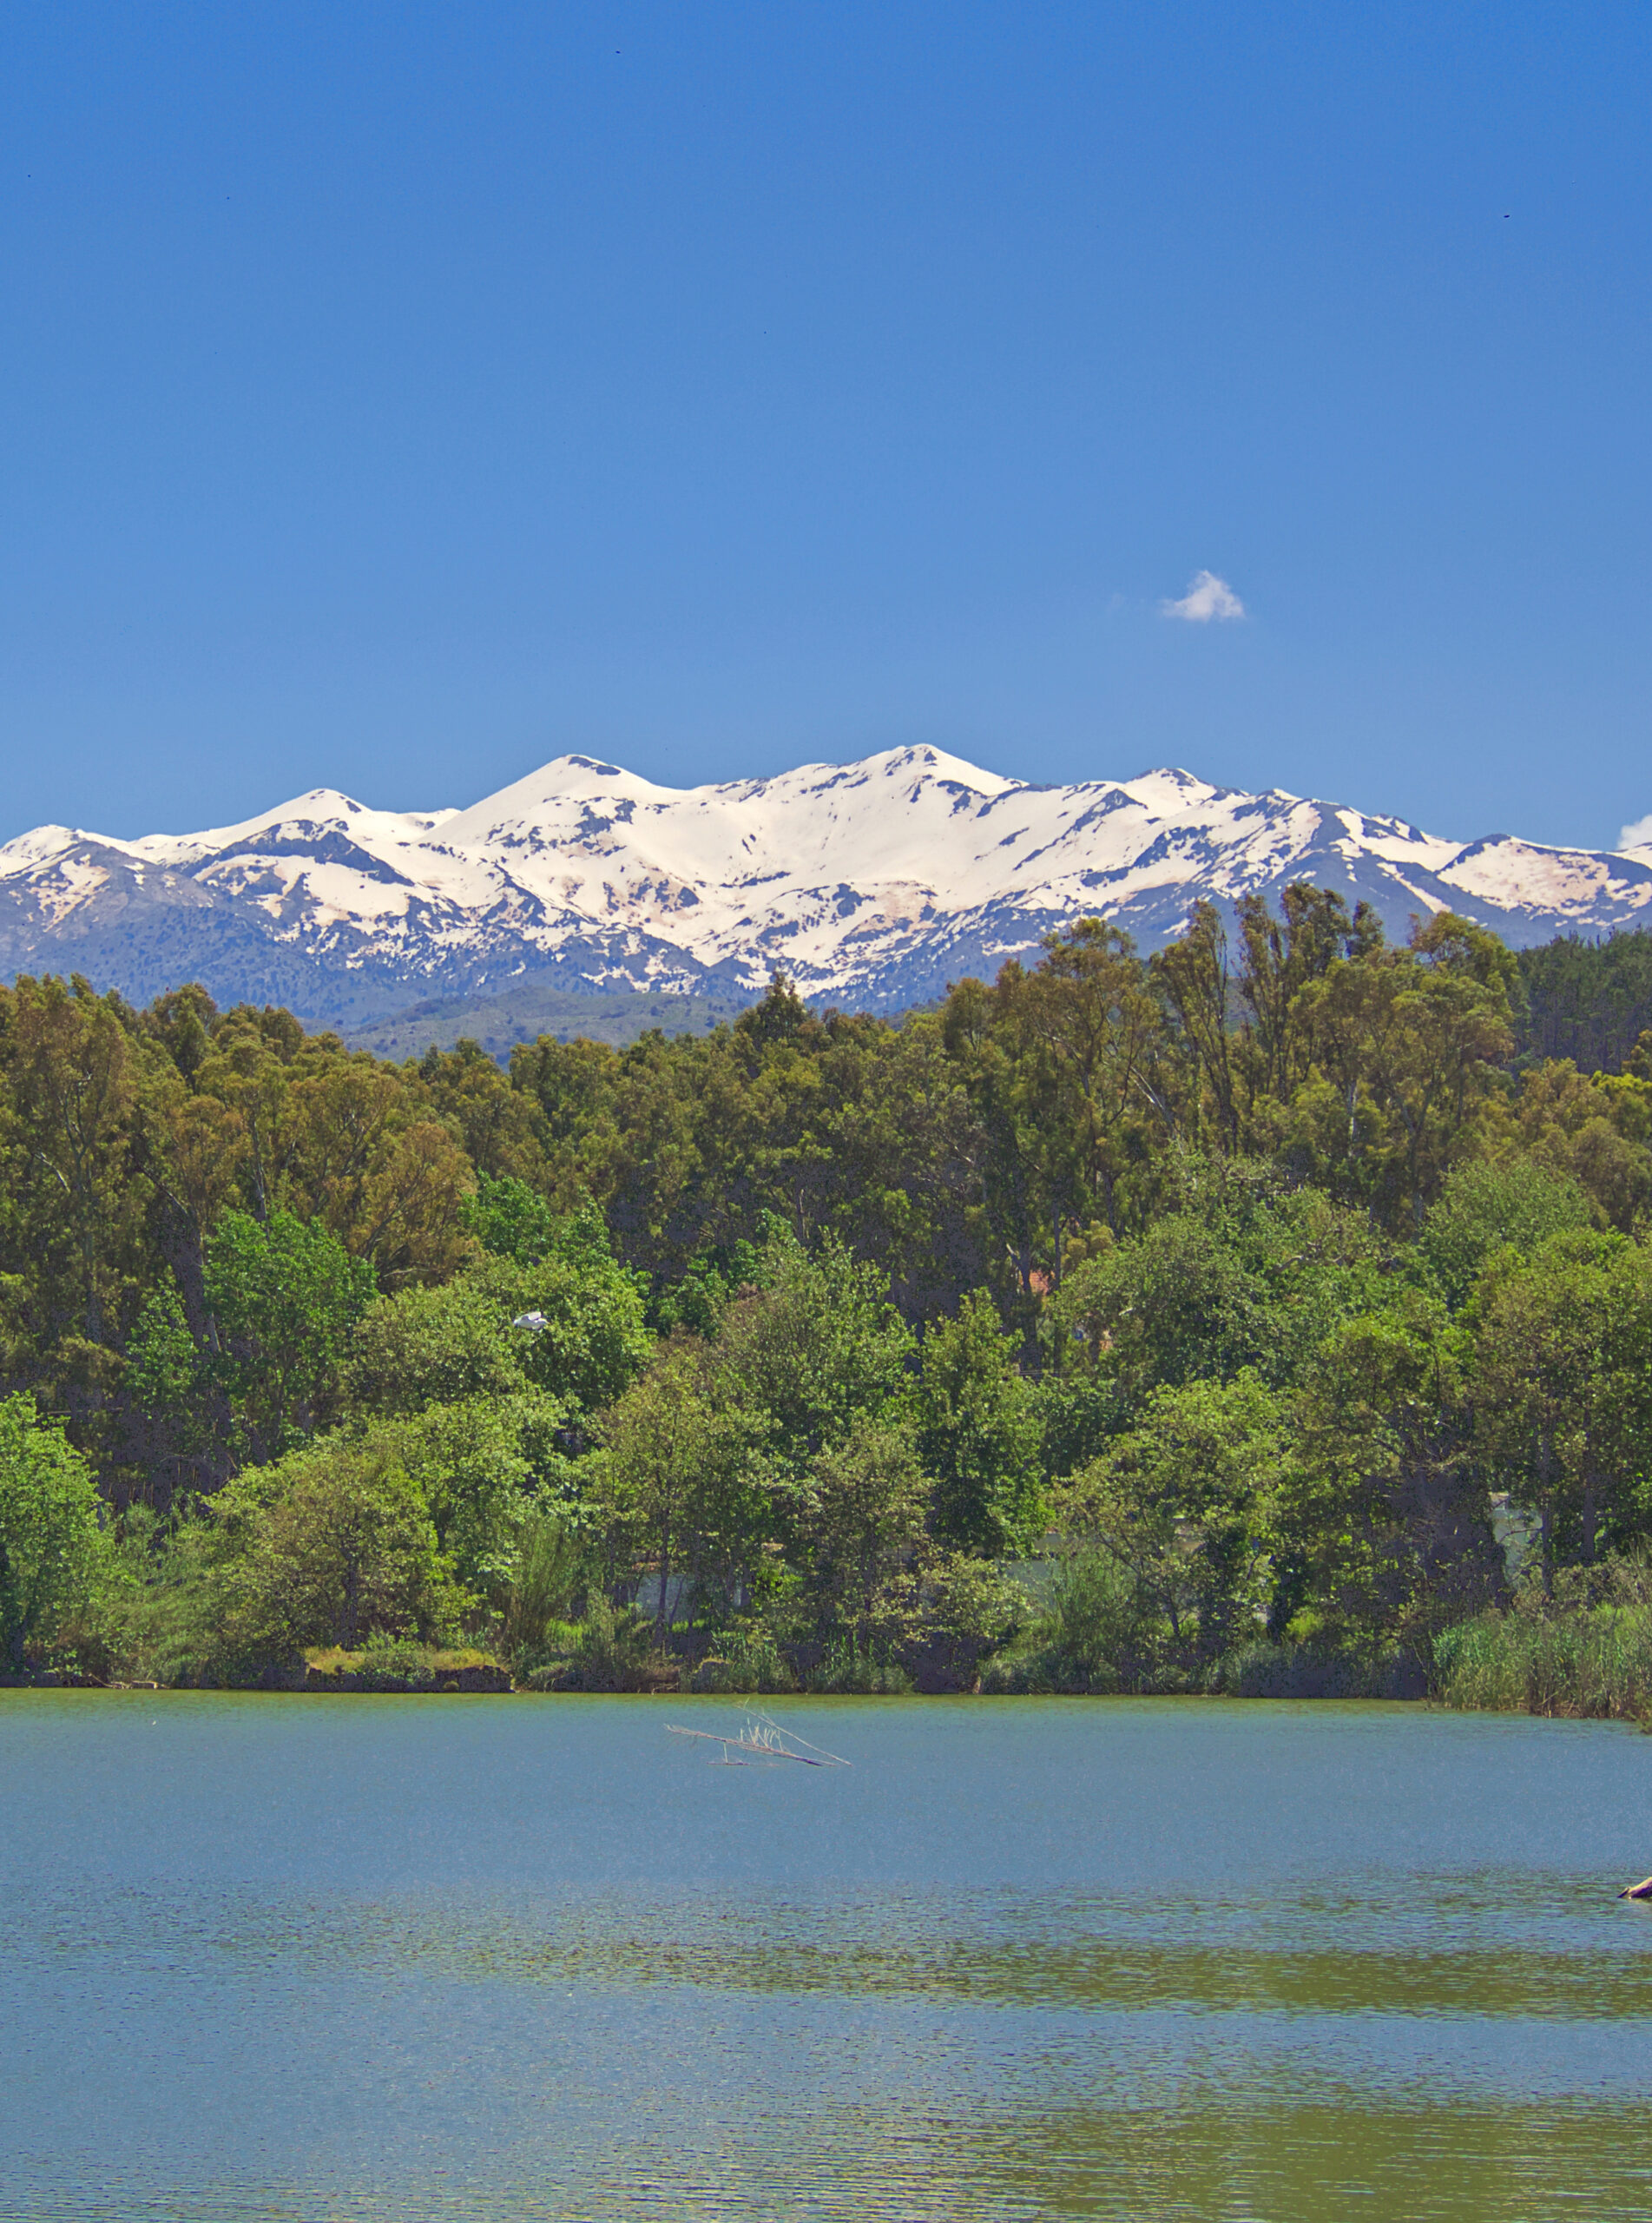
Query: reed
[1593,1662]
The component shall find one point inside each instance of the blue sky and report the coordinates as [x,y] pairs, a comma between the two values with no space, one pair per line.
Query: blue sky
[395,397]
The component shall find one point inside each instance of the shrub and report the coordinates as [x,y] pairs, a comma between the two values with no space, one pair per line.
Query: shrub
[340,1548]
[846,1669]
[1096,1634]
[749,1660]
[548,1572]
[968,1610]
[1294,1670]
[613,1650]
[1097,1626]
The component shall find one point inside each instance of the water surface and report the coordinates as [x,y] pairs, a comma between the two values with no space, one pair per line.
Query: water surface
[334,1960]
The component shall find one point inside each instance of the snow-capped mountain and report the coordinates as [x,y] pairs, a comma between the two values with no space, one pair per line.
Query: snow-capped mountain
[871,884]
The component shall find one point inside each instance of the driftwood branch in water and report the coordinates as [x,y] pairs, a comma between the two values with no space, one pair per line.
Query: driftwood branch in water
[761,1741]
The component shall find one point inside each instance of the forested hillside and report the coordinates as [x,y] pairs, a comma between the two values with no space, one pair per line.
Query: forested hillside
[1118,1324]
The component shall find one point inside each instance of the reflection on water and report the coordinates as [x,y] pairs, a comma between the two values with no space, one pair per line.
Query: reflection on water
[297,1959]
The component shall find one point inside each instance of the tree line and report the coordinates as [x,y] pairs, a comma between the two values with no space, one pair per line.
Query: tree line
[1115,1323]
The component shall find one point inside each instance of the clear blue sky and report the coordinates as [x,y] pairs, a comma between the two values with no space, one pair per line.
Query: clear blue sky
[395,397]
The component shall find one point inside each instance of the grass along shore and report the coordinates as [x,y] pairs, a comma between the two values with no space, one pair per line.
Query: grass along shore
[1588,1656]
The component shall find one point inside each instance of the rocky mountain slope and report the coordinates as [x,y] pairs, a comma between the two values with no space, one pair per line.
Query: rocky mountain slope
[873,884]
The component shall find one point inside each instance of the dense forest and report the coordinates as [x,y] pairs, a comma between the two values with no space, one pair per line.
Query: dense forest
[1591,1001]
[1279,1306]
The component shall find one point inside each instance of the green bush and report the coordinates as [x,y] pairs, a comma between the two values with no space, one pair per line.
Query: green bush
[846,1669]
[1097,1634]
[383,1663]
[613,1650]
[1294,1670]
[163,1621]
[1097,1626]
[747,1660]
[334,1545]
[548,1568]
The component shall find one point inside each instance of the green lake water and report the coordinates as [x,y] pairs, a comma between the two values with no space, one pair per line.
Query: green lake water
[432,1959]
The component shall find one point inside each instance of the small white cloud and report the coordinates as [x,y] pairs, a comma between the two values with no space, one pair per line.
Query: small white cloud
[1633,837]
[1207,597]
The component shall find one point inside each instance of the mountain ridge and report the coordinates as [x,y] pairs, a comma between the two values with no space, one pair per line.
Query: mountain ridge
[872,883]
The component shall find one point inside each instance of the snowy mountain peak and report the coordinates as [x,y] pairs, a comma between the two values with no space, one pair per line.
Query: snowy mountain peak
[872,883]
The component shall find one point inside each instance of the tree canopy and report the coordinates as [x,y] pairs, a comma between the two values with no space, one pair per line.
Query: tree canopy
[1245,1287]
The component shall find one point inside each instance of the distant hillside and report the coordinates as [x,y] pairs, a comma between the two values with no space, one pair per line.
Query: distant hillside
[523,1014]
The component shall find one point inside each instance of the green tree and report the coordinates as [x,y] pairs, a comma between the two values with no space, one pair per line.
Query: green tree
[550,1571]
[1283,961]
[426,1347]
[481,1467]
[336,1544]
[859,1526]
[162,1361]
[1182,1501]
[509,1219]
[572,1089]
[1409,1047]
[1594,1129]
[594,1340]
[1087,1030]
[978,1433]
[817,1346]
[54,1552]
[682,1481]
[167,1389]
[1562,1389]
[1060,1065]
[1587,1001]
[76,1148]
[1381,1522]
[700,1298]
[1192,978]
[1485,1207]
[582,1342]
[497,1122]
[1173,1305]
[284,1297]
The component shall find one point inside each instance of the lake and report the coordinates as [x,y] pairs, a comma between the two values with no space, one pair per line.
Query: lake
[318,1960]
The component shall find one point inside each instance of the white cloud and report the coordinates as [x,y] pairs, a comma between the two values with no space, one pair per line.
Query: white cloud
[1632,837]
[1207,597]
